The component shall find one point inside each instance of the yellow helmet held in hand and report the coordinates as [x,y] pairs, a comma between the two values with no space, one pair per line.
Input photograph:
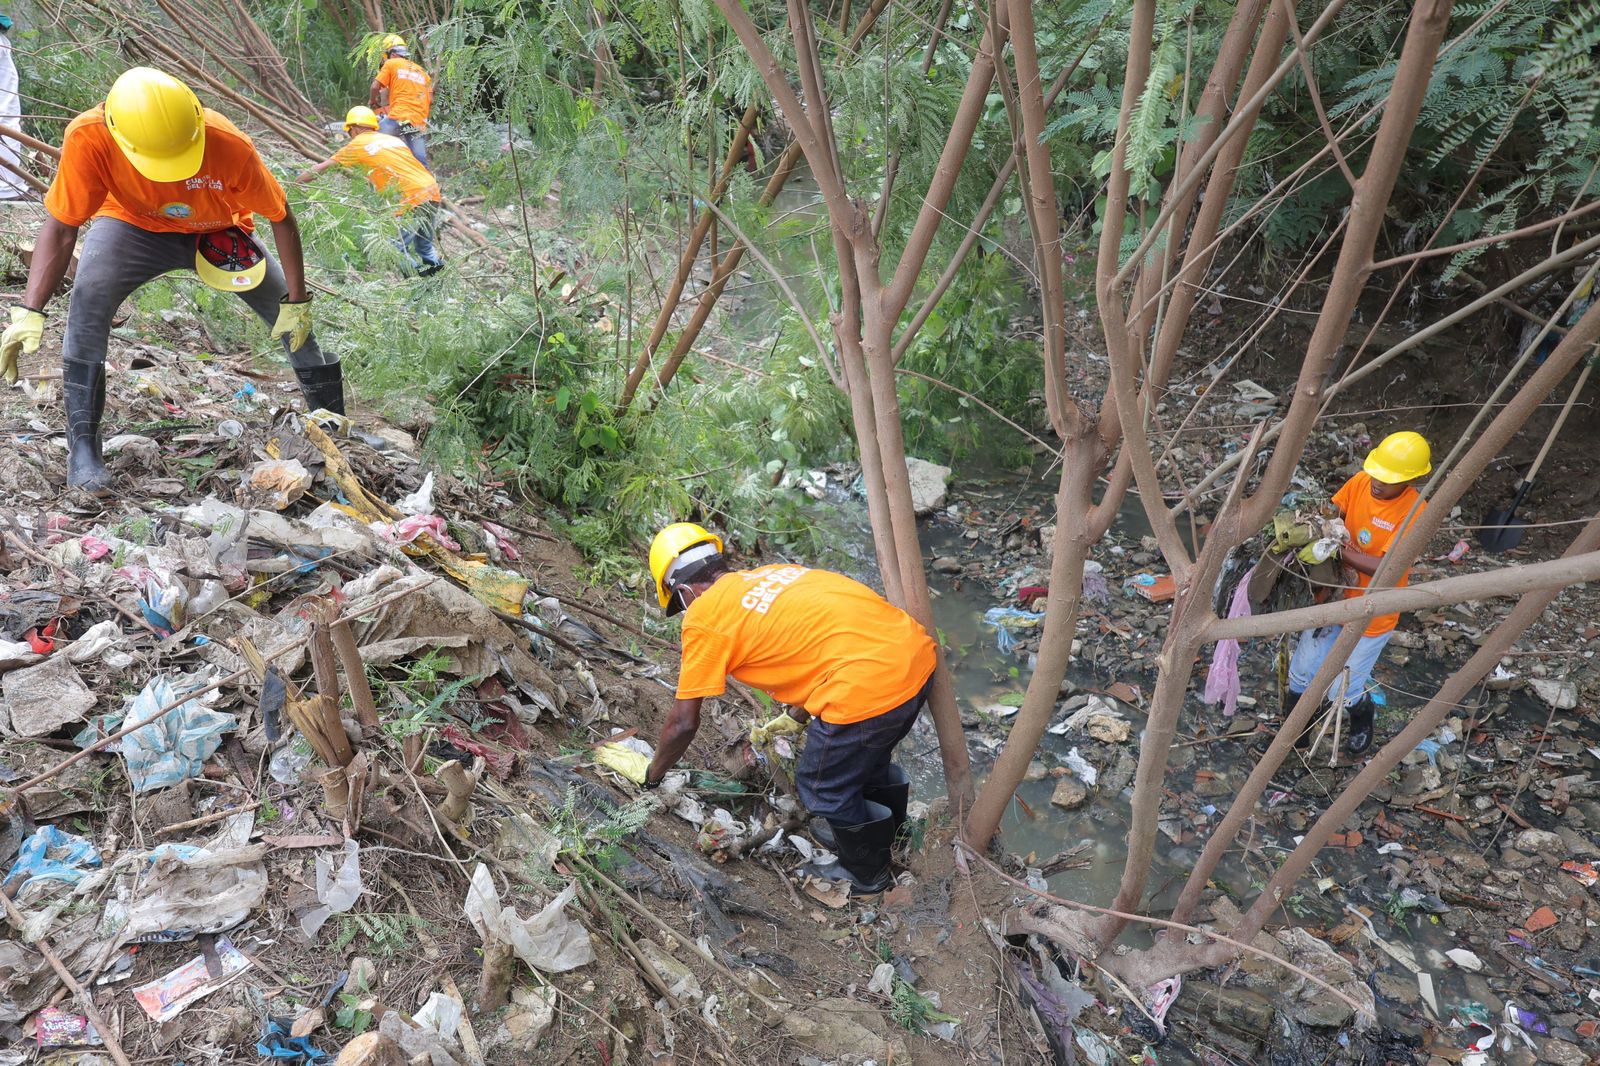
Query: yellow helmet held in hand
[360,115]
[1399,457]
[391,41]
[158,123]
[668,550]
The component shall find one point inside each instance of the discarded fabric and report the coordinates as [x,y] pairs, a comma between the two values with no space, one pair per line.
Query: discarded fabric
[176,745]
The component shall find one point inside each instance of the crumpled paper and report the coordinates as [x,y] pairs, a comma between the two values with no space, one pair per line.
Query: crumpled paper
[176,745]
[41,699]
[549,940]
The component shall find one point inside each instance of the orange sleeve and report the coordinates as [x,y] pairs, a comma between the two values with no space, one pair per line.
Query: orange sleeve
[386,73]
[703,670]
[348,154]
[259,192]
[79,188]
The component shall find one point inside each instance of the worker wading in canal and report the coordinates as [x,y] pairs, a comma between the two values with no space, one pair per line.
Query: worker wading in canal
[1377,507]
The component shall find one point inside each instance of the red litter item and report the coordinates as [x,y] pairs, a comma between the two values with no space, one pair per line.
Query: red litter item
[43,641]
[1028,593]
[1159,589]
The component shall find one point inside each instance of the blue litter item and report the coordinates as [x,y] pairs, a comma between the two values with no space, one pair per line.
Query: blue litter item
[53,855]
[174,746]
[1011,618]
[276,1043]
[1430,748]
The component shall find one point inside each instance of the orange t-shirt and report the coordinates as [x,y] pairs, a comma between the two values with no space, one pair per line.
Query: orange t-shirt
[95,180]
[410,91]
[1374,524]
[807,638]
[389,162]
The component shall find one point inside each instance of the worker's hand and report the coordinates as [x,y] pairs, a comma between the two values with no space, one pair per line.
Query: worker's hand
[1319,551]
[624,760]
[781,726]
[305,176]
[294,320]
[20,338]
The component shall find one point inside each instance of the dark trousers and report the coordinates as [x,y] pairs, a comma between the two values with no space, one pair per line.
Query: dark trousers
[117,258]
[839,761]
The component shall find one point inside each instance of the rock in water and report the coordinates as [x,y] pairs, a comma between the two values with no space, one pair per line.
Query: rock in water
[1069,794]
[928,484]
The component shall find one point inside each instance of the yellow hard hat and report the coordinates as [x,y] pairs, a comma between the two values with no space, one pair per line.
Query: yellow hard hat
[671,543]
[391,41]
[230,260]
[158,123]
[1399,457]
[360,115]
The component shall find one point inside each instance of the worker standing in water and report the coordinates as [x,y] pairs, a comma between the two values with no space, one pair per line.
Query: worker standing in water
[402,95]
[1377,507]
[170,186]
[391,166]
[854,667]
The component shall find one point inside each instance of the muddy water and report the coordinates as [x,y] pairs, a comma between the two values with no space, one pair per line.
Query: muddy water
[984,676]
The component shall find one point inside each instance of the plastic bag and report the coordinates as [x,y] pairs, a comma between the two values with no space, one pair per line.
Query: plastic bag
[549,940]
[335,895]
[51,854]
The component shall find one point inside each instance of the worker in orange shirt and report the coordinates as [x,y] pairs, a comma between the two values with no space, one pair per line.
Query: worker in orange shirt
[1378,505]
[402,95]
[170,186]
[843,659]
[389,165]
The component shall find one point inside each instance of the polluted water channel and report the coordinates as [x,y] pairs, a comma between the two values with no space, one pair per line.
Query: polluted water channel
[978,546]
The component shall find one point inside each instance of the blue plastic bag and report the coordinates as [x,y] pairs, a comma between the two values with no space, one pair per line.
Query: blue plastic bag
[53,855]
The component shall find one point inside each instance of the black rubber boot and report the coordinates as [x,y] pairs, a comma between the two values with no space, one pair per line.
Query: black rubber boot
[895,795]
[864,853]
[84,392]
[1362,718]
[323,387]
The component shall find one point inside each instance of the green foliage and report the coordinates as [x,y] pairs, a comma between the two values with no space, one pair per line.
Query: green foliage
[387,933]
[599,843]
[913,1011]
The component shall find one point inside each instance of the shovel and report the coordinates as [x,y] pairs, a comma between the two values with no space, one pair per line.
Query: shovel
[1502,530]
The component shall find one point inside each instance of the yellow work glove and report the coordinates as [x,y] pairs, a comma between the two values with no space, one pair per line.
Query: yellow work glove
[294,319]
[781,726]
[1319,551]
[20,338]
[623,760]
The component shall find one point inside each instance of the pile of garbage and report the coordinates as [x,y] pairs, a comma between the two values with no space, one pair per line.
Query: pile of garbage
[295,731]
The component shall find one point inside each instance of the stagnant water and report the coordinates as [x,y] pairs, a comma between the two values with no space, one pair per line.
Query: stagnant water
[983,675]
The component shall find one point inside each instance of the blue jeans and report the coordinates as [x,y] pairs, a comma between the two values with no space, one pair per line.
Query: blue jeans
[415,139]
[839,760]
[1313,647]
[418,228]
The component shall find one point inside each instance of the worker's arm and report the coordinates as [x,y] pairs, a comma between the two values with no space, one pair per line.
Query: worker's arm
[52,252]
[1360,560]
[676,735]
[310,173]
[286,235]
[375,95]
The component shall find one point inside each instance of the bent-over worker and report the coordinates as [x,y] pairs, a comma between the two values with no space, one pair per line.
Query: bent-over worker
[388,164]
[1376,505]
[170,186]
[836,652]
[402,95]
